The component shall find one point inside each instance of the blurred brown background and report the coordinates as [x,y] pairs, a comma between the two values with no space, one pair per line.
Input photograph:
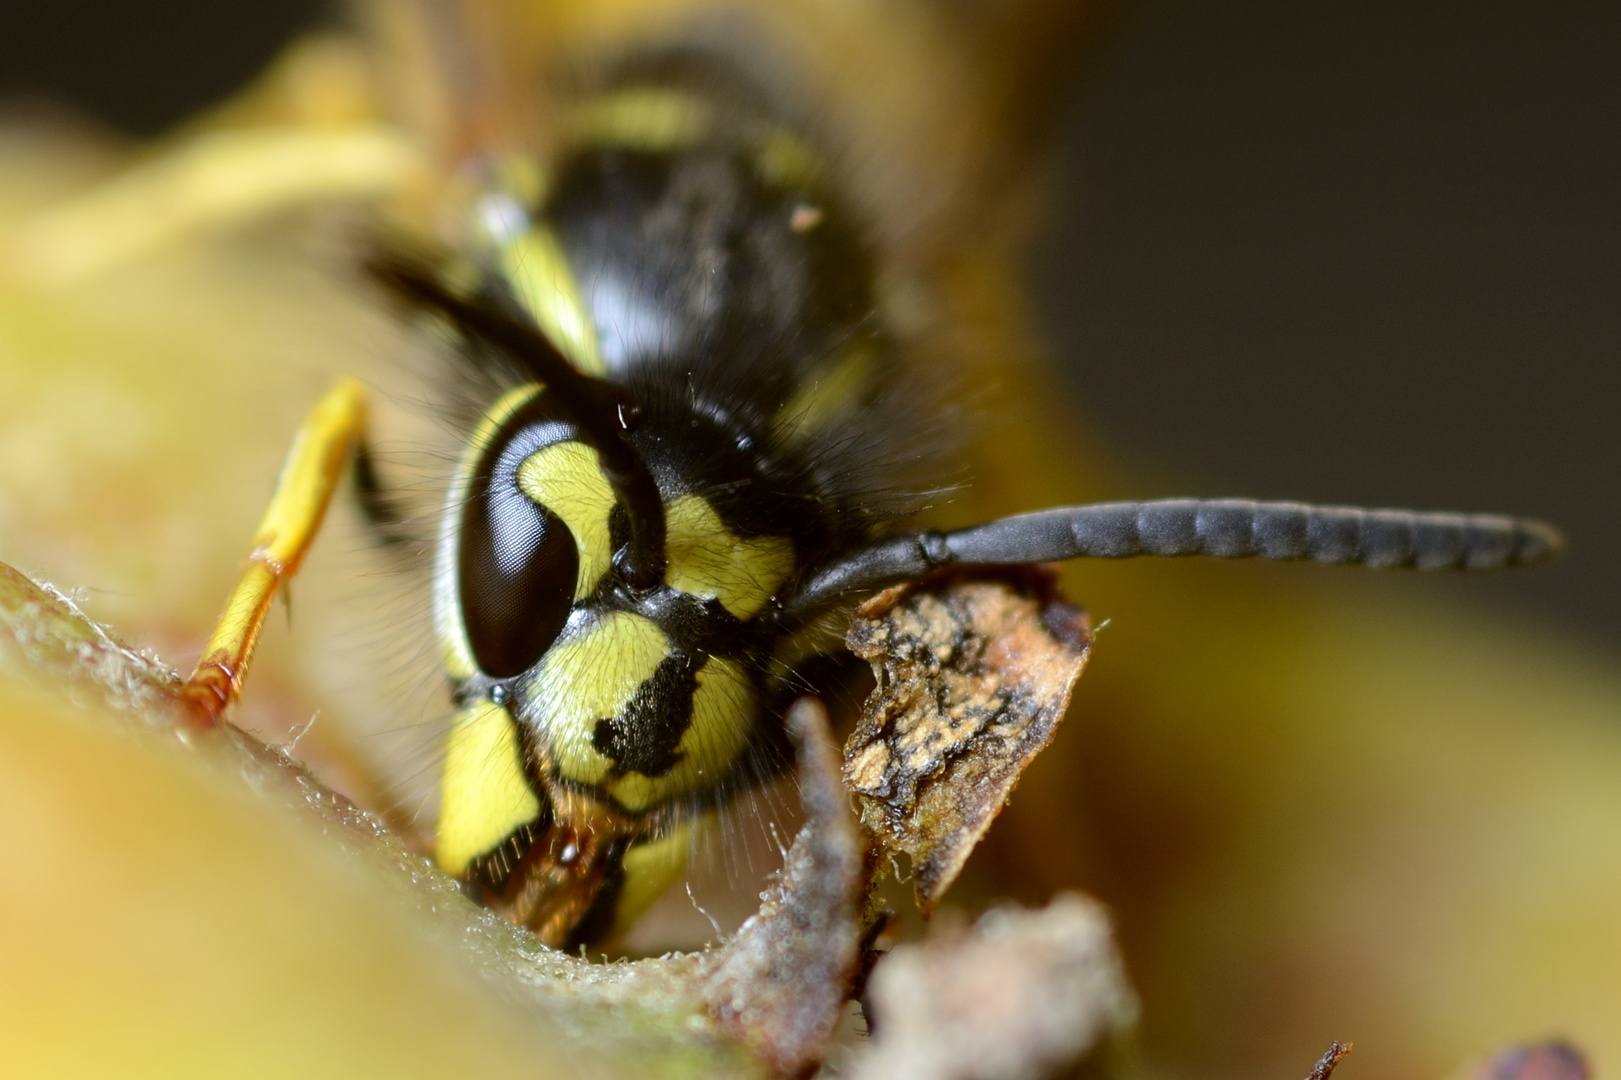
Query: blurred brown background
[1361,252]
[1344,252]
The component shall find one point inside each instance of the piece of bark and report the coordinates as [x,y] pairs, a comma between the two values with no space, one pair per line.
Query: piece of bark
[974,674]
[1020,995]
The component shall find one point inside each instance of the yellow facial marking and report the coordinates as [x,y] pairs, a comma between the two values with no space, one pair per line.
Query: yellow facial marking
[538,272]
[485,795]
[566,478]
[589,676]
[651,119]
[706,559]
[458,653]
[722,720]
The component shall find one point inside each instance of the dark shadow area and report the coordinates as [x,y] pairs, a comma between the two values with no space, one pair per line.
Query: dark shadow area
[141,65]
[1362,253]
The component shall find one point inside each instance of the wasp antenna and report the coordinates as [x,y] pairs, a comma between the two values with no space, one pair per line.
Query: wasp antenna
[1224,528]
[606,411]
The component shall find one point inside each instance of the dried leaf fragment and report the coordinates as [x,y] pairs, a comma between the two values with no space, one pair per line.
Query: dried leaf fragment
[1331,1058]
[780,984]
[974,674]
[1019,995]
[55,643]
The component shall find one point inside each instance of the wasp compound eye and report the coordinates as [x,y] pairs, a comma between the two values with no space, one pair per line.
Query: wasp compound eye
[517,563]
[518,567]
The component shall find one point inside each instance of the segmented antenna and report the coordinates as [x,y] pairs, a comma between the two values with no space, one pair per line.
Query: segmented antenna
[605,411]
[1224,528]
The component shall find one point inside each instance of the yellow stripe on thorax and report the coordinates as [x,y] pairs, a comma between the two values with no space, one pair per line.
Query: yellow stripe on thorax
[830,392]
[648,118]
[566,478]
[485,795]
[661,120]
[784,160]
[708,560]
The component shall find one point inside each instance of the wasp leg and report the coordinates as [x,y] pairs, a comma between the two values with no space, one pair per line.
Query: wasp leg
[308,477]
[212,180]
[389,521]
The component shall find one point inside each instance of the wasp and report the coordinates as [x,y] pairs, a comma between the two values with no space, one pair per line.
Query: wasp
[699,413]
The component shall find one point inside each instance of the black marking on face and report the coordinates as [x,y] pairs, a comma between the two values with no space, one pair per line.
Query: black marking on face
[647,737]
[694,625]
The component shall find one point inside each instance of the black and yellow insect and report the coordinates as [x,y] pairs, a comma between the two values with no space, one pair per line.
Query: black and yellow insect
[697,410]
[700,408]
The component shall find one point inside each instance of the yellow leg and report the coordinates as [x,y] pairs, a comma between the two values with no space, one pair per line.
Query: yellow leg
[308,478]
[215,179]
